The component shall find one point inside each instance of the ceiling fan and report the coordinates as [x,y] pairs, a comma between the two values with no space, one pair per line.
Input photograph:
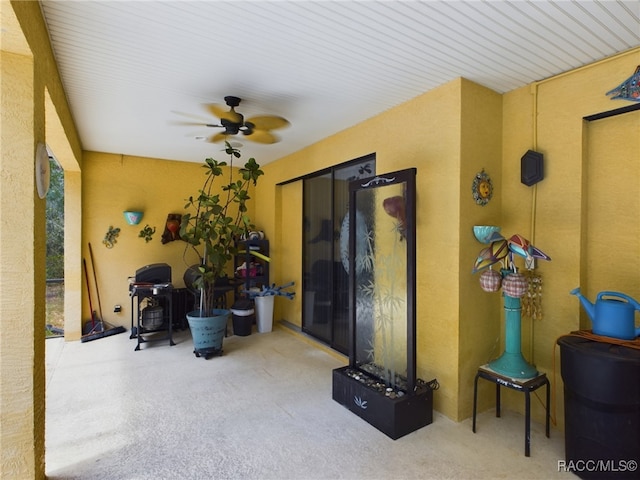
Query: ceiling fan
[257,129]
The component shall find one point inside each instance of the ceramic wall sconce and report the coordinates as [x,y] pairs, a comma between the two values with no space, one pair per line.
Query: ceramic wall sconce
[132,217]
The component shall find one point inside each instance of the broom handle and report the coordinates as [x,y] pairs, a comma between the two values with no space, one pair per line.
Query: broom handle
[86,276]
[95,280]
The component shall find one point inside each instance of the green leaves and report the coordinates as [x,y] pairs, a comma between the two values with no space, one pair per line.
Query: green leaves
[218,217]
[229,150]
[251,171]
[214,167]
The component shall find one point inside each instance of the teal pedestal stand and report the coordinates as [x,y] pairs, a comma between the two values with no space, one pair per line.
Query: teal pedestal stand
[511,363]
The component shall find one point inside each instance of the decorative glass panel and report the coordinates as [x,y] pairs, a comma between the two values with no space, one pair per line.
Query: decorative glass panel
[382,255]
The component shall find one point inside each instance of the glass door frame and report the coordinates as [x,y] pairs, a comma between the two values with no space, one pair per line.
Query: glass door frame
[331,340]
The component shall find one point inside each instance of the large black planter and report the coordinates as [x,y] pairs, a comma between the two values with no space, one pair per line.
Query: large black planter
[393,415]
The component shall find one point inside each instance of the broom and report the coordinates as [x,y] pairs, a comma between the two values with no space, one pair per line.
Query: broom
[97,323]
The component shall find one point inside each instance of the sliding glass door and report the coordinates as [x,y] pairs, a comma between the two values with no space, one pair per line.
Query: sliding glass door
[325,302]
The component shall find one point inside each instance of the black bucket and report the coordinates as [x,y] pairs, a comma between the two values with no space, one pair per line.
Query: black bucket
[243,317]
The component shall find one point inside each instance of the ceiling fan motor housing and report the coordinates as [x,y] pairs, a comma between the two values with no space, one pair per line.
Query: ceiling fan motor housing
[232,128]
[232,101]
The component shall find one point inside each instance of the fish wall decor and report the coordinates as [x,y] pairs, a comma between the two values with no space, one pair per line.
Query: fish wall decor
[629,89]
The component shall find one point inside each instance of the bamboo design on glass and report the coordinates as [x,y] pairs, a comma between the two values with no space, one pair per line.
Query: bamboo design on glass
[381,295]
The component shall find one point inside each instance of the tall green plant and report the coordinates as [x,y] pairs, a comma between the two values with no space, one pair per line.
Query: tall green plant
[219,217]
[55,222]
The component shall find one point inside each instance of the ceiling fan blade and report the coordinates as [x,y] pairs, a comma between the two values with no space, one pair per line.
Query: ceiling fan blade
[218,137]
[268,122]
[224,113]
[194,124]
[262,136]
[201,118]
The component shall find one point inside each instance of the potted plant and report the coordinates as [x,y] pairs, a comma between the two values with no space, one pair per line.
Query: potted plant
[217,219]
[264,299]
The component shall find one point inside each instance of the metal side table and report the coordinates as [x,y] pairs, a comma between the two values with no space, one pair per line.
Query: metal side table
[525,385]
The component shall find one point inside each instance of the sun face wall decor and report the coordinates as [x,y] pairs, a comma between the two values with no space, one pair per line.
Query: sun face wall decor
[482,188]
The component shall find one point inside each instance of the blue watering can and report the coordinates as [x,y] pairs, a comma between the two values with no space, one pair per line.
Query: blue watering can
[612,317]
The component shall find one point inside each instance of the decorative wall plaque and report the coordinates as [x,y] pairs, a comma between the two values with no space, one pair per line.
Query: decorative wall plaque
[482,188]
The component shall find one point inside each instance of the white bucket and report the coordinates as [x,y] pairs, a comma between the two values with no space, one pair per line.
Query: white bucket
[264,313]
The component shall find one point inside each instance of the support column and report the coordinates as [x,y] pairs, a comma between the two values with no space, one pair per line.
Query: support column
[22,275]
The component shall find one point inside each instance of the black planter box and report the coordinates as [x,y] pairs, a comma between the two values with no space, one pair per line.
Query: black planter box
[395,417]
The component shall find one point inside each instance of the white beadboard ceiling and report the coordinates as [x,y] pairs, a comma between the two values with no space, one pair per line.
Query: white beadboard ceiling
[131,69]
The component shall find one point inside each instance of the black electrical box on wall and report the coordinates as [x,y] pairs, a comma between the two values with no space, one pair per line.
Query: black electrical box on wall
[531,168]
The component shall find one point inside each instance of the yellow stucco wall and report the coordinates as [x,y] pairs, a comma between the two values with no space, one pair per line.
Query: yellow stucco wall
[21,255]
[612,164]
[286,249]
[479,313]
